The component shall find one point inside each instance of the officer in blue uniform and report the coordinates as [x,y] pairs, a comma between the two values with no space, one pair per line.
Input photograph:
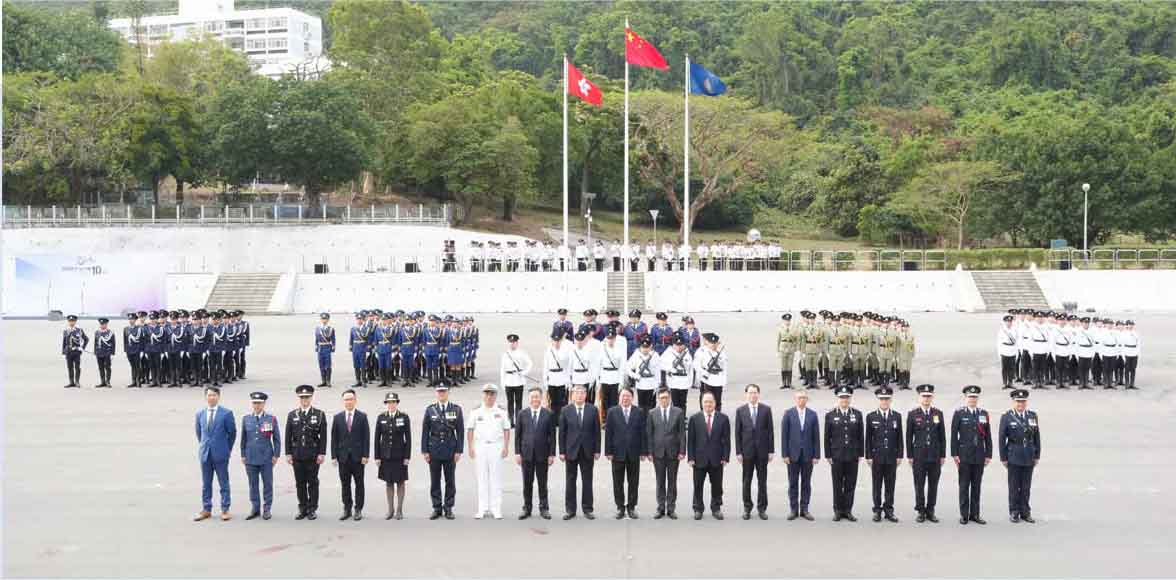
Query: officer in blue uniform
[370,330]
[971,449]
[357,342]
[1020,450]
[73,343]
[454,350]
[394,334]
[408,351]
[104,347]
[635,331]
[198,350]
[231,342]
[563,326]
[261,446]
[442,443]
[385,339]
[433,336]
[177,339]
[662,334]
[154,348]
[133,347]
[216,348]
[690,335]
[324,347]
[243,337]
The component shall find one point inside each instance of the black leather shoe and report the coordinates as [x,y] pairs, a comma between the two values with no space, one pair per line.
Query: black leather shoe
[589,515]
[1028,519]
[877,516]
[436,515]
[698,515]
[312,516]
[718,515]
[526,514]
[747,515]
[358,515]
[633,513]
[931,518]
[890,518]
[265,515]
[659,514]
[568,516]
[672,515]
[793,516]
[979,520]
[921,518]
[346,515]
[1015,518]
[300,516]
[963,521]
[837,517]
[545,514]
[763,515]
[620,514]
[253,516]
[449,513]
[849,517]
[807,516]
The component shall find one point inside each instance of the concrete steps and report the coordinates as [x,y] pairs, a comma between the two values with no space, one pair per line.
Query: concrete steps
[616,291]
[1005,289]
[249,292]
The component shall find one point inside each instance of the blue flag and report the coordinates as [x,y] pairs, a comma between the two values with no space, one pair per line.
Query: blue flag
[704,82]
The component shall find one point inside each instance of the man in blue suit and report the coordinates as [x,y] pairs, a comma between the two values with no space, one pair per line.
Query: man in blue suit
[261,447]
[800,447]
[216,432]
[626,446]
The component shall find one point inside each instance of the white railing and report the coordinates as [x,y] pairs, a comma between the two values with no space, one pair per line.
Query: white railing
[221,215]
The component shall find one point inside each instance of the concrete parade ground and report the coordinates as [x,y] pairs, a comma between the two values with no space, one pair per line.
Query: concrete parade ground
[104,482]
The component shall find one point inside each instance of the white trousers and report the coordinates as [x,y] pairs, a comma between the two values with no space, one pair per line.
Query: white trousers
[489,470]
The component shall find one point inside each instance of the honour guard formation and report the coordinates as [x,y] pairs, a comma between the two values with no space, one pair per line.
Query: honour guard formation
[1055,349]
[845,349]
[164,348]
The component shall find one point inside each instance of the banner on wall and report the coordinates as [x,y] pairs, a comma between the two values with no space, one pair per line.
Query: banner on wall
[94,284]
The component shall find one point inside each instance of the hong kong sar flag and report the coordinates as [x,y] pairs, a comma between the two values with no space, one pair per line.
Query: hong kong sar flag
[581,87]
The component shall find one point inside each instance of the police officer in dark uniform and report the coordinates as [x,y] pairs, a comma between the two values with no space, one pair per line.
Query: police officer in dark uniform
[133,347]
[1020,450]
[104,347]
[244,334]
[442,443]
[261,446]
[971,449]
[393,440]
[198,351]
[563,326]
[217,337]
[324,347]
[926,445]
[884,452]
[844,447]
[73,342]
[306,448]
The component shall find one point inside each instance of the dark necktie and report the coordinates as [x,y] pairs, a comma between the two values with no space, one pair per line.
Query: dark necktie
[708,424]
[211,415]
[349,422]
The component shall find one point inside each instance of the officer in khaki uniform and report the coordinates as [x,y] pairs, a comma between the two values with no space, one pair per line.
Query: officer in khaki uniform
[839,338]
[814,343]
[887,351]
[905,356]
[788,339]
[859,351]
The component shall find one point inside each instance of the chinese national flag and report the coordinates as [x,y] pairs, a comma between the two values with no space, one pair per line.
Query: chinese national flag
[581,87]
[641,53]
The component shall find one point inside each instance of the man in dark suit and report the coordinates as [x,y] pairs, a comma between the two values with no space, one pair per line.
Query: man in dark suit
[926,449]
[215,433]
[579,447]
[755,444]
[350,448]
[708,448]
[626,446]
[844,449]
[971,448]
[666,432]
[534,448]
[800,447]
[883,452]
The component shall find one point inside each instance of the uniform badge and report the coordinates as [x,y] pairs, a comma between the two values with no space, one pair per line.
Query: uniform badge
[451,415]
[399,422]
[935,419]
[853,418]
[1032,422]
[983,418]
[295,419]
[895,426]
[314,418]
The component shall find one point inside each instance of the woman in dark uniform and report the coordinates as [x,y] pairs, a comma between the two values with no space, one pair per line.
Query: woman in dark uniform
[393,451]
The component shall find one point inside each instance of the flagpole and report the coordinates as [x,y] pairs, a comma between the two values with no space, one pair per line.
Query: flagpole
[565,152]
[686,156]
[625,270]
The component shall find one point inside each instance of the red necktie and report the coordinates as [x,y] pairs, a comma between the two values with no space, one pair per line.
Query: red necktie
[349,422]
[708,424]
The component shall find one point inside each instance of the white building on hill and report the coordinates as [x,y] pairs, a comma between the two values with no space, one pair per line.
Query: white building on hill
[276,40]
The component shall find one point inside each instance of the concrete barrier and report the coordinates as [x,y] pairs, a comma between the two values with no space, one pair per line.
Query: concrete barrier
[1110,290]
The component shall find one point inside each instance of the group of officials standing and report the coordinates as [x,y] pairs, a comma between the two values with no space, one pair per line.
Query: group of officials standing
[164,348]
[628,435]
[1043,348]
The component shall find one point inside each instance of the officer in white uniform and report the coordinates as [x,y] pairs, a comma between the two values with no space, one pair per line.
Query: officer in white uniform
[710,362]
[556,373]
[679,367]
[1006,347]
[614,256]
[683,256]
[1063,349]
[1129,342]
[1108,351]
[582,359]
[644,367]
[611,367]
[513,370]
[488,439]
[1084,347]
[1039,347]
[703,253]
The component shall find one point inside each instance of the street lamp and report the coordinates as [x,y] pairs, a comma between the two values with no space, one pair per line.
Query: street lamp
[588,197]
[1085,213]
[653,213]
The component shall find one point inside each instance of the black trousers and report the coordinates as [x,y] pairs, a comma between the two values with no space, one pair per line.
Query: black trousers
[926,485]
[155,359]
[133,362]
[215,360]
[715,474]
[437,468]
[882,476]
[1129,364]
[1061,370]
[665,471]
[558,394]
[533,470]
[578,468]
[800,479]
[1110,369]
[755,468]
[844,483]
[678,398]
[1008,369]
[306,482]
[514,402]
[1096,367]
[1040,361]
[1020,480]
[970,476]
[718,391]
[1026,373]
[1084,371]
[622,470]
[351,471]
[645,398]
[103,369]
[610,394]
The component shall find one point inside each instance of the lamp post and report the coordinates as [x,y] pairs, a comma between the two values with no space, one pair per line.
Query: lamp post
[588,197]
[1085,214]
[653,213]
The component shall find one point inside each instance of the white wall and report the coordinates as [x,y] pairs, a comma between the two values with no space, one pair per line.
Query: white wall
[1106,290]
[776,291]
[188,291]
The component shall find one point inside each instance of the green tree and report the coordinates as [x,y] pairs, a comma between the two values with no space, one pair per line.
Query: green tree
[67,43]
[942,197]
